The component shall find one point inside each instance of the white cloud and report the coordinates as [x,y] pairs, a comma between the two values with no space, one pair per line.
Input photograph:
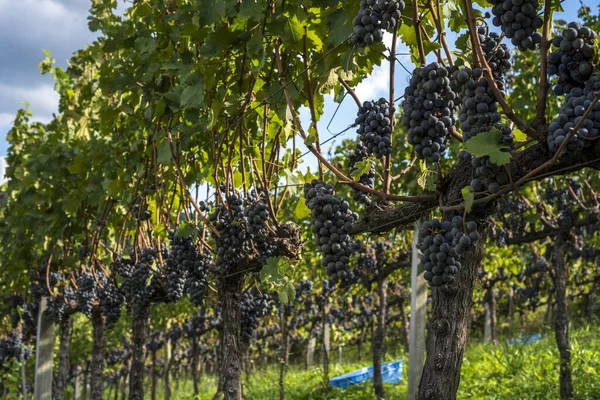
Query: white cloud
[42,99]
[376,84]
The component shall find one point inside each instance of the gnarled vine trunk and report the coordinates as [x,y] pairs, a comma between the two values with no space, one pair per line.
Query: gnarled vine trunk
[168,365]
[62,373]
[405,325]
[561,320]
[139,326]
[447,336]
[378,337]
[194,365]
[230,369]
[284,350]
[326,343]
[97,365]
[153,374]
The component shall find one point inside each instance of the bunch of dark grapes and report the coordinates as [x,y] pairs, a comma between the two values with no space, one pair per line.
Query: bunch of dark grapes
[373,17]
[368,179]
[332,219]
[135,279]
[573,61]
[443,244]
[365,267]
[303,288]
[182,258]
[374,127]
[429,110]
[87,291]
[519,22]
[111,302]
[252,306]
[12,347]
[141,212]
[197,278]
[576,103]
[64,305]
[496,54]
[242,230]
[479,113]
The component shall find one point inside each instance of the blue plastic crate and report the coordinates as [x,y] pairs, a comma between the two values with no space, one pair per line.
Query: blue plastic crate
[391,372]
[525,340]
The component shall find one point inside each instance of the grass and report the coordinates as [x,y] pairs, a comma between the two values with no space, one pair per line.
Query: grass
[494,372]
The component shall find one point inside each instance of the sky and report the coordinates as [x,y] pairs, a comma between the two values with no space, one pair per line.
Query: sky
[27,27]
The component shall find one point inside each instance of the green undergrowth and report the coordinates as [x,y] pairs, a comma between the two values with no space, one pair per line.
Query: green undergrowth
[498,372]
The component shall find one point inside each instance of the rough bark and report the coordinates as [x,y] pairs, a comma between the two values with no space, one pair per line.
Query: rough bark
[230,369]
[418,320]
[405,325]
[591,306]
[168,365]
[97,364]
[385,219]
[511,313]
[447,336]
[378,340]
[549,305]
[493,308]
[153,374]
[284,351]
[561,320]
[194,366]
[139,329]
[44,354]
[326,344]
[487,323]
[125,385]
[84,390]
[361,339]
[62,374]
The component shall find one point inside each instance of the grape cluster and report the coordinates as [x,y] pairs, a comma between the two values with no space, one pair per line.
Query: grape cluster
[182,258]
[111,301]
[496,53]
[374,127]
[63,305]
[373,17]
[368,179]
[443,244]
[571,112]
[479,113]
[242,230]
[135,276]
[332,219]
[303,288]
[12,347]
[429,110]
[252,306]
[141,212]
[197,281]
[519,22]
[573,61]
[87,291]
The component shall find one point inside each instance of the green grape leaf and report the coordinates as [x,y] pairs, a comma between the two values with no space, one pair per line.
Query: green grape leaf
[301,211]
[287,292]
[185,229]
[489,144]
[469,197]
[270,271]
[361,168]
